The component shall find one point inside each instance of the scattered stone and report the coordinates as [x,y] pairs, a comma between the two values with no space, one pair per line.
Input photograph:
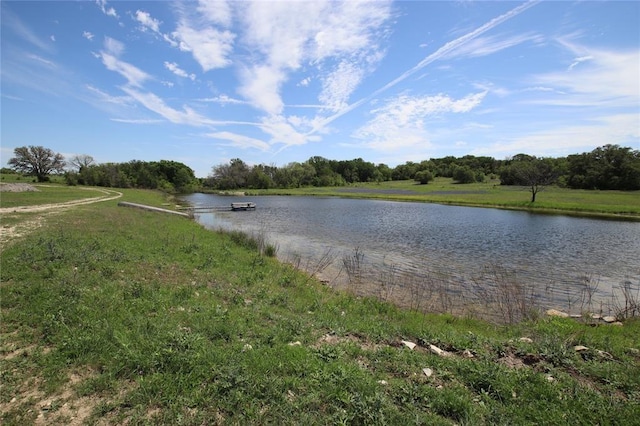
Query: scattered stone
[609,319]
[296,343]
[525,340]
[247,347]
[580,348]
[440,352]
[467,353]
[617,323]
[408,344]
[557,313]
[550,378]
[383,382]
[596,316]
[427,372]
[604,354]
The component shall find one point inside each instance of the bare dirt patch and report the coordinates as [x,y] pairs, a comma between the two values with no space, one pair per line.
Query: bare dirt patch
[17,187]
[9,233]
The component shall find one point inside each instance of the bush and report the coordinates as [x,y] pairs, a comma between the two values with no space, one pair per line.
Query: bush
[464,175]
[424,177]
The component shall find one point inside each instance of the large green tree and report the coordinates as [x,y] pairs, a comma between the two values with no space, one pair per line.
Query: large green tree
[606,167]
[37,161]
[533,173]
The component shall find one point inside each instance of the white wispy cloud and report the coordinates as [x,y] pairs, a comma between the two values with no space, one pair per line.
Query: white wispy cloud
[240,141]
[261,87]
[105,97]
[561,140]
[337,39]
[223,100]
[401,122]
[147,22]
[137,121]
[42,60]
[340,84]
[203,32]
[606,78]
[110,59]
[284,132]
[210,47]
[444,51]
[174,68]
[109,11]
[156,104]
[483,46]
[23,31]
[218,12]
[88,35]
[578,61]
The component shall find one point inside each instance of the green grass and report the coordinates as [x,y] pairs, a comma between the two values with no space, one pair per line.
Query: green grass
[619,204]
[48,194]
[144,318]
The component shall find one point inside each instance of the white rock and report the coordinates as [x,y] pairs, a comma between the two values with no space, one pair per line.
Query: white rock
[604,354]
[408,344]
[440,352]
[609,318]
[525,340]
[427,372]
[383,382]
[296,343]
[467,353]
[557,313]
[247,347]
[580,348]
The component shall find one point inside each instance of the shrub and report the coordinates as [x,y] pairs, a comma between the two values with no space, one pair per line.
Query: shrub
[424,177]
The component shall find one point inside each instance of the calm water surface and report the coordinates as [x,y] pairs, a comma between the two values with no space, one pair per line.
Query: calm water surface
[551,252]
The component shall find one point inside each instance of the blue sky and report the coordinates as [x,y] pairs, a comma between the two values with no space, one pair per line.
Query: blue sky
[274,82]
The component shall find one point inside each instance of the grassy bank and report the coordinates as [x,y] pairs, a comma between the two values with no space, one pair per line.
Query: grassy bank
[113,315]
[614,204]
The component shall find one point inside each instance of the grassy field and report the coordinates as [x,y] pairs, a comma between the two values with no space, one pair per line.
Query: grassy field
[113,315]
[616,204]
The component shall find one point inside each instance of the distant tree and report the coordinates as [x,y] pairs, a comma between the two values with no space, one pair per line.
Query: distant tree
[535,174]
[405,171]
[606,167]
[230,176]
[81,160]
[423,177]
[37,161]
[463,174]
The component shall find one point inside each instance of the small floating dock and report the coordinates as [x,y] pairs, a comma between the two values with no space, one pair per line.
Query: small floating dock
[244,205]
[237,206]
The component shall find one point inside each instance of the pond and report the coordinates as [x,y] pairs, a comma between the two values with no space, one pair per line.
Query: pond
[560,261]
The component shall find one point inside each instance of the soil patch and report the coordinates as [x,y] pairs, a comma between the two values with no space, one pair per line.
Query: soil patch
[17,187]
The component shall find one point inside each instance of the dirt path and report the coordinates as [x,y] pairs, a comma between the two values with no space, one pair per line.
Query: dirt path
[9,233]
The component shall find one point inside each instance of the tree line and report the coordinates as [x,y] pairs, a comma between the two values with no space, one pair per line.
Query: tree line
[166,175]
[606,167]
